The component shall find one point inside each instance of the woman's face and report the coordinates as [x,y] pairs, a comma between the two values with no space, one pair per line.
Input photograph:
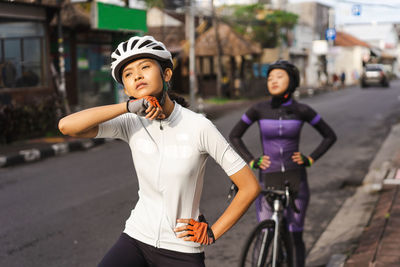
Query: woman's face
[142,77]
[278,81]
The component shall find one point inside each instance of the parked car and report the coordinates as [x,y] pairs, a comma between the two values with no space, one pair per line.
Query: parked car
[374,74]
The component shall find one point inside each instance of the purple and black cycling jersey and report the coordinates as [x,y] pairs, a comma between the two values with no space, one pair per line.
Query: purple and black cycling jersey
[280,133]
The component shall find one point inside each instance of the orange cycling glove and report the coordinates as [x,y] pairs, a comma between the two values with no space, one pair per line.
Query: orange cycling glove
[200,231]
[139,106]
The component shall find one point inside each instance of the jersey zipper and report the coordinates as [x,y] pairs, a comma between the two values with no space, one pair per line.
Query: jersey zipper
[280,147]
[157,245]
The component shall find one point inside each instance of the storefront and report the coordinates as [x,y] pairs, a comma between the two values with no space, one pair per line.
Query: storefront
[88,47]
[24,56]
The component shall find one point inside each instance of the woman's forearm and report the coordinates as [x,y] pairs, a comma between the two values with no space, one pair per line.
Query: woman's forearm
[329,138]
[87,119]
[235,138]
[248,191]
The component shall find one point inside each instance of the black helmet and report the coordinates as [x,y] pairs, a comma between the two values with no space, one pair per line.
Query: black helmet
[292,71]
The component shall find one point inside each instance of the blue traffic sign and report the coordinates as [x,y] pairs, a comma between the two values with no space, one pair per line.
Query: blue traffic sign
[356,10]
[330,34]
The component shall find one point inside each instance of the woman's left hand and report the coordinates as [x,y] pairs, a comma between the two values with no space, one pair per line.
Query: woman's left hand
[195,231]
[297,158]
[301,159]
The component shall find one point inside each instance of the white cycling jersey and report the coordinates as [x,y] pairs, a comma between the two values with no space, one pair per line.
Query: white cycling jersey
[169,158]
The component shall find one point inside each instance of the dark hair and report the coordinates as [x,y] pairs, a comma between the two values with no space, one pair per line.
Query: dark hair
[173,96]
[179,99]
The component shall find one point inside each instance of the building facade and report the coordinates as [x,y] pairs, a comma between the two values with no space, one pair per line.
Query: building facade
[312,24]
[24,51]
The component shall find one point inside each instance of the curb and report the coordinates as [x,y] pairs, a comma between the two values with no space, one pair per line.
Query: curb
[32,155]
[344,231]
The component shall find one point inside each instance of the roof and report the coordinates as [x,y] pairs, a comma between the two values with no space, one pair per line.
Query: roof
[232,43]
[50,3]
[345,39]
[172,37]
[73,16]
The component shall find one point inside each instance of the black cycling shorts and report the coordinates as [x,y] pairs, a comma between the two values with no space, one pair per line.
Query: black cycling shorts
[129,252]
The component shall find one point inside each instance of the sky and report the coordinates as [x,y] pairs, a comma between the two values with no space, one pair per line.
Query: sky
[371,11]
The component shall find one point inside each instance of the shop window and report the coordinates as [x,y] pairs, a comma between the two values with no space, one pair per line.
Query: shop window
[21,54]
[95,85]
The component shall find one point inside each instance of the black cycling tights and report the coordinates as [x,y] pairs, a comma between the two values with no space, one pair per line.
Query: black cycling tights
[128,252]
[300,249]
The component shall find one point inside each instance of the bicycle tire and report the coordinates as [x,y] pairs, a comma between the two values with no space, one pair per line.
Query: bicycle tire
[250,256]
[287,255]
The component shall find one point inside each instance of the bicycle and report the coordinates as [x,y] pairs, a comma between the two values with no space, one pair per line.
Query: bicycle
[270,244]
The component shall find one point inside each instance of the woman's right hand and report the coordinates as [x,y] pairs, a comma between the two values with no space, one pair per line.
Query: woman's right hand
[153,113]
[147,107]
[262,163]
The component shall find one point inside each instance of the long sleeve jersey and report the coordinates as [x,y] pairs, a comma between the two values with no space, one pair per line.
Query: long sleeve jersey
[169,157]
[280,133]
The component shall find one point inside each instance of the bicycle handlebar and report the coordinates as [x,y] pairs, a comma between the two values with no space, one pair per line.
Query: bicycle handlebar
[275,194]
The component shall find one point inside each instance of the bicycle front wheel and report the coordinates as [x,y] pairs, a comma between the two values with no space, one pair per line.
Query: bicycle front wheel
[258,249]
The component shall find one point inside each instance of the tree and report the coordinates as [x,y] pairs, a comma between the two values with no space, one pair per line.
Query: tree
[167,4]
[154,3]
[268,27]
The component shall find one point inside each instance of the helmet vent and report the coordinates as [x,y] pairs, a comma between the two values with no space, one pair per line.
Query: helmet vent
[158,48]
[124,46]
[118,53]
[145,43]
[134,43]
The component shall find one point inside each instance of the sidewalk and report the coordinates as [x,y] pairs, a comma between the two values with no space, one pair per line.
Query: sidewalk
[365,230]
[379,243]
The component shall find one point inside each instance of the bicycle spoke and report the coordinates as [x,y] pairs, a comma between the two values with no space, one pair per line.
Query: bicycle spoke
[258,249]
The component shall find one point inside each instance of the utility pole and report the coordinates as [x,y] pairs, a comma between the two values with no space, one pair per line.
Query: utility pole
[190,35]
[219,49]
[331,42]
[61,60]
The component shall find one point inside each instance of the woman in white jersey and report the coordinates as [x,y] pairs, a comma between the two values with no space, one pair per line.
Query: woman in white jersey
[170,145]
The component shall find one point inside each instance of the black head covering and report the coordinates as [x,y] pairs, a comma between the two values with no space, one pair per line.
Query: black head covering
[294,81]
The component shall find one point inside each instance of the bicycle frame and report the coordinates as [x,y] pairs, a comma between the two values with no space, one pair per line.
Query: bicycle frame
[267,244]
[277,218]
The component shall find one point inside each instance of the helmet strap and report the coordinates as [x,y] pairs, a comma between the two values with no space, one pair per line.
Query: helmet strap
[163,96]
[278,100]
[165,86]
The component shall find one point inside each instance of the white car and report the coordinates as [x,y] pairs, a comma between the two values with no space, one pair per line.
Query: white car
[374,74]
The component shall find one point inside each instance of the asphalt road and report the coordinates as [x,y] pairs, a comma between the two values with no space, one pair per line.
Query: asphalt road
[68,210]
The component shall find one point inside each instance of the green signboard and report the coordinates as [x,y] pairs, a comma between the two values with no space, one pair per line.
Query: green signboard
[116,18]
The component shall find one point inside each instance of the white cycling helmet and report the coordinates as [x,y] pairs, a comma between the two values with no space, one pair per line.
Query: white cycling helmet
[138,47]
